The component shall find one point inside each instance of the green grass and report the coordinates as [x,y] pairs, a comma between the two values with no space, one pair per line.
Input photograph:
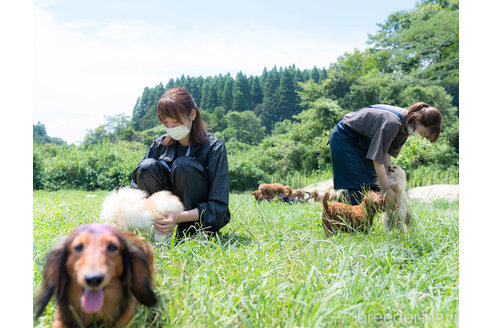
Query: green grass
[272,266]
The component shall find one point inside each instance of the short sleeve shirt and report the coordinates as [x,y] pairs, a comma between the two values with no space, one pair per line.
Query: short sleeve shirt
[383,128]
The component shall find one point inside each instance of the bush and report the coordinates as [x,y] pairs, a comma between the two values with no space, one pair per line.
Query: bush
[37,171]
[244,174]
[98,166]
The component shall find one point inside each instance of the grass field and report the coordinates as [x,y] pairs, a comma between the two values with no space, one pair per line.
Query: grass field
[272,266]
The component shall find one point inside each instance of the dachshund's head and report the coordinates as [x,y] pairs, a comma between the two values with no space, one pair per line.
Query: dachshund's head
[257,194]
[91,257]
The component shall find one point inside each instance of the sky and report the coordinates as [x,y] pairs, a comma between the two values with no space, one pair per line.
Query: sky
[94,58]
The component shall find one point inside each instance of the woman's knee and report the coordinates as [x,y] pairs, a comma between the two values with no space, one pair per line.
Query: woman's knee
[146,166]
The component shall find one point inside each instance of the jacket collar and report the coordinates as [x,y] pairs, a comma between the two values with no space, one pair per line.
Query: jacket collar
[170,152]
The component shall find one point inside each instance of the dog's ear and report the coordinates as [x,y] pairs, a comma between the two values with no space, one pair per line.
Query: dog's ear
[137,273]
[55,276]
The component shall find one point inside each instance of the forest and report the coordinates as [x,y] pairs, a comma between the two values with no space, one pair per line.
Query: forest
[276,125]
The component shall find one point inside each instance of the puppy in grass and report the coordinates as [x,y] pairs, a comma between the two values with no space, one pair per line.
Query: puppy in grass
[131,208]
[338,216]
[397,214]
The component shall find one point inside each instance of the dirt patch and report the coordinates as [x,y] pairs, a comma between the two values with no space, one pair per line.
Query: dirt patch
[435,192]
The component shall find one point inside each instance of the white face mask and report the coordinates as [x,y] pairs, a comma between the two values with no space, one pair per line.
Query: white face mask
[178,132]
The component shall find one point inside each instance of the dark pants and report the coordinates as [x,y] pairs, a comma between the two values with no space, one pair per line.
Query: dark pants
[351,169]
[186,179]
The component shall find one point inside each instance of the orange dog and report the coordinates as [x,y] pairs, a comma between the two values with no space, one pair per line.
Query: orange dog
[101,274]
[343,217]
[270,190]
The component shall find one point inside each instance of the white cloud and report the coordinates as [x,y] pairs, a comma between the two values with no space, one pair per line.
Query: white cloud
[85,70]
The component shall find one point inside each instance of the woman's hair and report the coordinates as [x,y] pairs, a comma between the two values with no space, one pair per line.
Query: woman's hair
[428,116]
[177,104]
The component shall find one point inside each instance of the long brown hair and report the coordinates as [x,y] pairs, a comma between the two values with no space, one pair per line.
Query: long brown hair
[177,104]
[428,116]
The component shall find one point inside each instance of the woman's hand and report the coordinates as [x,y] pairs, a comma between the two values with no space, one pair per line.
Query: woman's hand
[166,223]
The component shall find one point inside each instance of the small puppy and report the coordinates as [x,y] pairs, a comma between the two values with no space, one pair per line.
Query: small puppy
[287,191]
[130,208]
[343,217]
[397,214]
[100,274]
[270,190]
[297,193]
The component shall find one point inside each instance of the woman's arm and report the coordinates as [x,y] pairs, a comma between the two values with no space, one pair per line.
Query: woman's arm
[168,221]
[387,160]
[380,168]
[381,173]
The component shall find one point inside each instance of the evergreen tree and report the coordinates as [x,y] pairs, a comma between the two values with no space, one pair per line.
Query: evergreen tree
[226,97]
[209,94]
[241,96]
[323,75]
[315,74]
[271,84]
[287,101]
[256,92]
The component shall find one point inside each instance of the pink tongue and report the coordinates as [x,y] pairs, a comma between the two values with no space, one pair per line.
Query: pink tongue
[92,300]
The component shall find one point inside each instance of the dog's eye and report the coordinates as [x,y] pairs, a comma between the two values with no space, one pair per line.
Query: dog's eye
[79,248]
[112,247]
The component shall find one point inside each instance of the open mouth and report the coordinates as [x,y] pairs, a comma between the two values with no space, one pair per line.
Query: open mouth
[92,300]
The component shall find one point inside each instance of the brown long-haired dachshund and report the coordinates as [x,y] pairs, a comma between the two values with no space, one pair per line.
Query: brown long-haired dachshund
[100,274]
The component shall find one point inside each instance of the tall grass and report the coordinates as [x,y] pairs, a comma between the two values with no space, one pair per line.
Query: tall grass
[272,266]
[429,175]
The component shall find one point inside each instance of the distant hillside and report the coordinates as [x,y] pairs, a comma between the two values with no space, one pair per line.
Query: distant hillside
[40,136]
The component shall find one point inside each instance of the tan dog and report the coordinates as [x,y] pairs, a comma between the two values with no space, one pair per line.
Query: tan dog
[397,214]
[100,274]
[343,217]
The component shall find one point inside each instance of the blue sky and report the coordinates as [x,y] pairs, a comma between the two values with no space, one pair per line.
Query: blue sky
[94,58]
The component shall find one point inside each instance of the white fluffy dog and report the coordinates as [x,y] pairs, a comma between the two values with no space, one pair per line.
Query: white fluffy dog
[399,215]
[131,208]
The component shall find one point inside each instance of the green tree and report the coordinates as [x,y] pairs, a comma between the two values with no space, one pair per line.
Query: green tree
[226,97]
[209,94]
[423,42]
[288,101]
[241,95]
[256,92]
[244,126]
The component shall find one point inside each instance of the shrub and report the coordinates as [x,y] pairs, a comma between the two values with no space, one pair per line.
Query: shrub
[98,166]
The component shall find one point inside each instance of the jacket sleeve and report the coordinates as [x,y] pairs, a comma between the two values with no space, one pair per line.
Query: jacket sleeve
[214,213]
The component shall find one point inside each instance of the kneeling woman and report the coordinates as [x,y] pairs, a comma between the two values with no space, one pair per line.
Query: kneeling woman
[363,141]
[189,162]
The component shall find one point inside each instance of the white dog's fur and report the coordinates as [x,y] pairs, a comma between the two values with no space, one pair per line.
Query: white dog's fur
[130,208]
[400,215]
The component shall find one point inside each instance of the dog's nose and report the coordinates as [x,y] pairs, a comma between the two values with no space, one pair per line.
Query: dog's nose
[94,279]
